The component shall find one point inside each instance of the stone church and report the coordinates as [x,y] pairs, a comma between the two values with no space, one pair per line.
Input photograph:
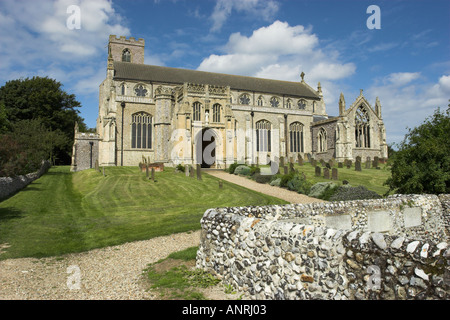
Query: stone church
[179,116]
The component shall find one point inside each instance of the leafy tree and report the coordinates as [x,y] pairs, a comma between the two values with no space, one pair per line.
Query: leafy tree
[43,98]
[422,163]
[23,149]
[3,119]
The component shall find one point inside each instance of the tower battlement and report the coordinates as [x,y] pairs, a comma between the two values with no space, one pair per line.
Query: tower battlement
[128,50]
[124,40]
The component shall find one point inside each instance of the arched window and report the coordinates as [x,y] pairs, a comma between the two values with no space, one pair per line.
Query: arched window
[141,131]
[140,90]
[197,110]
[289,103]
[322,140]
[126,55]
[274,102]
[263,137]
[296,137]
[260,101]
[216,112]
[362,128]
[244,99]
[302,104]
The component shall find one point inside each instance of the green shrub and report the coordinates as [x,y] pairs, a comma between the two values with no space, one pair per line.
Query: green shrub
[275,182]
[346,193]
[285,178]
[254,170]
[323,190]
[262,178]
[243,170]
[232,167]
[299,184]
[180,167]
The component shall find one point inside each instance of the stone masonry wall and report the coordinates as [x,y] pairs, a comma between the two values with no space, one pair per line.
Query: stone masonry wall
[10,185]
[393,248]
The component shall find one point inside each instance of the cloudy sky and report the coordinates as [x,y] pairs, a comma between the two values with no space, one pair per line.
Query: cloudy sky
[406,63]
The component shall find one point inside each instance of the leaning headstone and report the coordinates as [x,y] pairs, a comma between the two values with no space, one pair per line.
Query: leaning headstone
[153,174]
[340,165]
[318,171]
[199,172]
[334,174]
[326,173]
[146,170]
[358,164]
[299,160]
[291,167]
[368,163]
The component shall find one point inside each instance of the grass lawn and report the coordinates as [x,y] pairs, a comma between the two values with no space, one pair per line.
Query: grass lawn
[64,212]
[373,179]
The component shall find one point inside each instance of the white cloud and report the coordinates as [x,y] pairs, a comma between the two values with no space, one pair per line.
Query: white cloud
[402,78]
[263,9]
[278,51]
[406,104]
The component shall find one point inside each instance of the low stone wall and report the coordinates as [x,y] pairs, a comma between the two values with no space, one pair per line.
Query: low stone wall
[10,185]
[393,248]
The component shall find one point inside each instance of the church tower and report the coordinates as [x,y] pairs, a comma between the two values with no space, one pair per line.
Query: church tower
[126,50]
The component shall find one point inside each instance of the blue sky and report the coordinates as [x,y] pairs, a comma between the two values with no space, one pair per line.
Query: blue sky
[406,63]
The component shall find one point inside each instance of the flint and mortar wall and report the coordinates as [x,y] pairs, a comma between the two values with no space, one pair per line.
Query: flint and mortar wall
[393,248]
[10,185]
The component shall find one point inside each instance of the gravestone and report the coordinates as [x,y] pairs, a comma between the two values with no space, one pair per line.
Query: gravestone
[313,162]
[300,160]
[331,162]
[191,172]
[103,171]
[322,162]
[186,170]
[368,163]
[285,169]
[375,162]
[220,184]
[308,156]
[349,164]
[340,165]
[146,171]
[281,162]
[153,174]
[318,171]
[334,174]
[358,164]
[291,167]
[199,172]
[326,173]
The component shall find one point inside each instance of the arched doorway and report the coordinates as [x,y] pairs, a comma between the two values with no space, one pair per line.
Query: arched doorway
[206,148]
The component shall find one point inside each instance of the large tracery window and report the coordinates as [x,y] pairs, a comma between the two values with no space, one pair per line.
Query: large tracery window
[216,112]
[296,137]
[141,131]
[197,109]
[362,128]
[322,140]
[126,55]
[263,142]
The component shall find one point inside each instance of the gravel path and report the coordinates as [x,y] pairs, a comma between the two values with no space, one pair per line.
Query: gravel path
[109,273]
[105,274]
[290,196]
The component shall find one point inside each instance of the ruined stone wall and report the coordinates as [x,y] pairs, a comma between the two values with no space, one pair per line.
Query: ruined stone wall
[393,248]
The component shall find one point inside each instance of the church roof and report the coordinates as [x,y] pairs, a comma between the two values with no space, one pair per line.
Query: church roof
[142,72]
